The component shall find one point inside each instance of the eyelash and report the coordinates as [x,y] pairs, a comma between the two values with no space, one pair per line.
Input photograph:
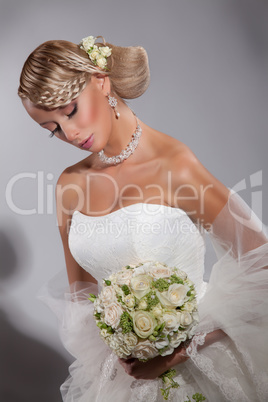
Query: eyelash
[69,116]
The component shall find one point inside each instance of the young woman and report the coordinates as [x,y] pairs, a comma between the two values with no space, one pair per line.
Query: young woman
[142,195]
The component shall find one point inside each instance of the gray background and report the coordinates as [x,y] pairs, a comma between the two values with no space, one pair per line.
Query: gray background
[208,60]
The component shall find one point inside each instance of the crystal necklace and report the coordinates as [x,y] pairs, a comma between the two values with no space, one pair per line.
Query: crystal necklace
[130,148]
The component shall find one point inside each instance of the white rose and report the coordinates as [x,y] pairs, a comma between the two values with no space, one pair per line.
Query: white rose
[177,338]
[164,343]
[144,350]
[112,314]
[143,323]
[171,320]
[139,271]
[190,306]
[101,61]
[123,277]
[167,351]
[160,271]
[181,274]
[140,285]
[157,311]
[143,304]
[129,300]
[94,53]
[112,278]
[118,290]
[88,42]
[161,343]
[107,296]
[175,296]
[185,318]
[105,51]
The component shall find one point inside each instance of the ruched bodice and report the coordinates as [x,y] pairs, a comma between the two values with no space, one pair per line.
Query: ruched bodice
[139,232]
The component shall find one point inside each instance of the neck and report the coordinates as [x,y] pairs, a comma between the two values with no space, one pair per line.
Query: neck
[122,130]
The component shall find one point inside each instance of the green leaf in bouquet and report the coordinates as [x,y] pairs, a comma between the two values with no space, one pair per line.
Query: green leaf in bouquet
[158,329]
[152,300]
[110,330]
[119,299]
[125,289]
[126,322]
[92,297]
[161,284]
[161,351]
[107,282]
[101,325]
[196,397]
[192,297]
[98,316]
[175,279]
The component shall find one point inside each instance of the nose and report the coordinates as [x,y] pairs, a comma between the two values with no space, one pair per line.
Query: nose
[70,131]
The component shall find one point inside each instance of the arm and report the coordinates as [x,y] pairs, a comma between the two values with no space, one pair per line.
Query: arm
[66,199]
[155,367]
[205,200]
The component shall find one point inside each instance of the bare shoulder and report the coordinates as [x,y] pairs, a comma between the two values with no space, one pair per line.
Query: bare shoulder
[194,188]
[70,186]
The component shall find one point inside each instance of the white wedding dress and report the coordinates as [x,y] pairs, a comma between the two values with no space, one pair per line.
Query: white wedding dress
[235,300]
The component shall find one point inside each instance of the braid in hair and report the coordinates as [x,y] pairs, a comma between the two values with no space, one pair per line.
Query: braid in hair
[55,74]
[57,71]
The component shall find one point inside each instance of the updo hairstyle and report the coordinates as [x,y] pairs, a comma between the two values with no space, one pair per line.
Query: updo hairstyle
[57,71]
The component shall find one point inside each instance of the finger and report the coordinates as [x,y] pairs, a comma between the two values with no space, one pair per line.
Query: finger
[128,361]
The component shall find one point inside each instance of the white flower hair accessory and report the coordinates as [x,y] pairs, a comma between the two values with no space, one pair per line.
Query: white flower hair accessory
[98,55]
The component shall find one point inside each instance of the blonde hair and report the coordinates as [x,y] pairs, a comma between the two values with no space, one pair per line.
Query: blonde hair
[57,71]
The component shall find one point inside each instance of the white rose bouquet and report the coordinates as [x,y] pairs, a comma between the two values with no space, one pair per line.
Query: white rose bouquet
[147,310]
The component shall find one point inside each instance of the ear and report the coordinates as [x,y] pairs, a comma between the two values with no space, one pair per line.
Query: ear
[102,83]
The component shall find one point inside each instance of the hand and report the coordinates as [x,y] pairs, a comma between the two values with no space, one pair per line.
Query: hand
[143,370]
[153,368]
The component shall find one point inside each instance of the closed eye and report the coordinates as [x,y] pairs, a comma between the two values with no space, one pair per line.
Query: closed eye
[70,115]
[73,111]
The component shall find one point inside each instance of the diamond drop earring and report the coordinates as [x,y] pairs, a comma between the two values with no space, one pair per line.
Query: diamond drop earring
[113,103]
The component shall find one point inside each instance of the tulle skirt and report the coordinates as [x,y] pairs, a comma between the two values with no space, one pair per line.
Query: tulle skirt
[232,369]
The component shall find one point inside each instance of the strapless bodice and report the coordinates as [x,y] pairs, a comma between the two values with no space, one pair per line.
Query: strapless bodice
[136,233]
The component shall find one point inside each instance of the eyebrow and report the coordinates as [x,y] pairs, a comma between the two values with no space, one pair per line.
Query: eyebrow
[60,108]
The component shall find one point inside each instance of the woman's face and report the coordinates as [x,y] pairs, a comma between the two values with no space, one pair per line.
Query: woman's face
[86,122]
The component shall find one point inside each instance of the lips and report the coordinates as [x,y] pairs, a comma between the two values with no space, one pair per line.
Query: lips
[87,143]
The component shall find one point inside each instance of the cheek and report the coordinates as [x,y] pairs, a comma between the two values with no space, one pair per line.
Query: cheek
[95,113]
